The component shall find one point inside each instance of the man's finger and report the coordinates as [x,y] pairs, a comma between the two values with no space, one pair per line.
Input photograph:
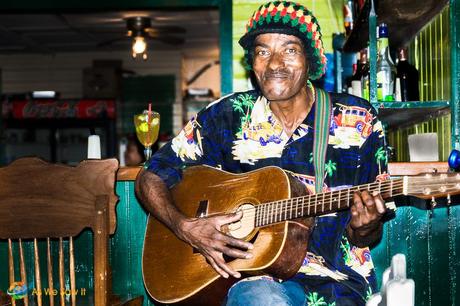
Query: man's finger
[235,253]
[369,204]
[358,202]
[214,265]
[226,268]
[241,244]
[229,218]
[379,203]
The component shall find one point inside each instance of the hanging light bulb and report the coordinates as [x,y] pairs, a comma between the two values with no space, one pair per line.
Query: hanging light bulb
[139,47]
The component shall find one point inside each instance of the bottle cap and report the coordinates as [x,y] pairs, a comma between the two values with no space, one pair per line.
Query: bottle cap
[402,54]
[383,30]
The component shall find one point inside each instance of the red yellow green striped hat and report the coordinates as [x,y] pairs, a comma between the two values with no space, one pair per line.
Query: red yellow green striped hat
[287,18]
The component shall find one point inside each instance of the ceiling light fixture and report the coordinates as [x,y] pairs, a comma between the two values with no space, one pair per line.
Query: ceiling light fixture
[139,47]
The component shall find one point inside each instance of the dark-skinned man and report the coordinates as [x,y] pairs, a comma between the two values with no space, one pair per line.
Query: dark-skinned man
[274,125]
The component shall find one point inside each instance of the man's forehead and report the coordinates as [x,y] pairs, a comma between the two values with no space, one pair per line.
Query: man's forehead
[278,37]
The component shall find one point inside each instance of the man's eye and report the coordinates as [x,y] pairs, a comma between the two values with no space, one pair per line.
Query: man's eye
[262,52]
[291,51]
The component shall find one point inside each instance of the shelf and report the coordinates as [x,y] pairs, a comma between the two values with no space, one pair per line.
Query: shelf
[405,18]
[403,114]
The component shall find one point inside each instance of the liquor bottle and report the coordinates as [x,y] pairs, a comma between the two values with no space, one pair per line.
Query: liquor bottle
[356,79]
[386,70]
[407,76]
[348,18]
[365,74]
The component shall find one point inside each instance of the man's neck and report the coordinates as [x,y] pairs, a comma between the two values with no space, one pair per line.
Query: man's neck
[291,113]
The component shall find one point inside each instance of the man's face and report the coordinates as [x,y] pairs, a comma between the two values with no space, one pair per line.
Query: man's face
[280,65]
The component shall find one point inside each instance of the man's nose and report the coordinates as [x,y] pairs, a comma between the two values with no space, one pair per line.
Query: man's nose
[276,61]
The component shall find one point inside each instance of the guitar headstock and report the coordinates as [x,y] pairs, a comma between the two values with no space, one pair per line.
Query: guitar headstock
[432,185]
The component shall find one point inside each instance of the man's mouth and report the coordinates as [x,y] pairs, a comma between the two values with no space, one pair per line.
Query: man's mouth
[269,76]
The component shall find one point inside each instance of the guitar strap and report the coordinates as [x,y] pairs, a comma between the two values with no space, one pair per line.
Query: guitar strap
[323,111]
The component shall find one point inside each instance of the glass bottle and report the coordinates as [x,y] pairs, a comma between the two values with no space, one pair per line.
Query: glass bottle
[348,18]
[365,74]
[356,80]
[386,70]
[406,79]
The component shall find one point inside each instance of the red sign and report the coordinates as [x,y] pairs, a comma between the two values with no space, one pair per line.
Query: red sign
[56,109]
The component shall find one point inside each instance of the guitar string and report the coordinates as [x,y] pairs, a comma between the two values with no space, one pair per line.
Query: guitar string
[267,214]
[341,194]
[326,197]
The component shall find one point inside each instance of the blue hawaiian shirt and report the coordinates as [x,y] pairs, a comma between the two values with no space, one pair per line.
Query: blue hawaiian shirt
[239,133]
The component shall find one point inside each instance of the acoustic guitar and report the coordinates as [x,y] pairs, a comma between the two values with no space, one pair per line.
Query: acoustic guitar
[277,219]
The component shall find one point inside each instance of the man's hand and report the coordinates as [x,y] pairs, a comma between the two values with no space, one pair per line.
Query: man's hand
[365,227]
[206,236]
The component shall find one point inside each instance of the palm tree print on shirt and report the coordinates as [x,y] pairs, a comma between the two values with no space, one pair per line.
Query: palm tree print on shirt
[313,299]
[331,167]
[381,156]
[243,104]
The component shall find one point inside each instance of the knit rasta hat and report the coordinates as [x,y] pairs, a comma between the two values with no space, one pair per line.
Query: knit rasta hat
[287,18]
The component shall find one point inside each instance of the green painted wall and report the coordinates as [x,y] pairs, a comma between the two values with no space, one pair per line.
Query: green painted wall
[430,52]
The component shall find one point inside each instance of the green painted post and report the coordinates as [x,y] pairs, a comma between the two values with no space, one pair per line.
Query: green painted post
[455,71]
[226,50]
[454,212]
[372,54]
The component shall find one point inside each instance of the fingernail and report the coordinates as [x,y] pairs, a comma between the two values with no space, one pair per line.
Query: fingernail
[375,193]
[237,275]
[250,247]
[249,255]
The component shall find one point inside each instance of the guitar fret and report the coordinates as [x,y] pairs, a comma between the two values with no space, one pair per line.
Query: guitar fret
[300,202]
[309,199]
[340,199]
[266,214]
[330,201]
[278,211]
[316,202]
[348,197]
[303,204]
[261,214]
[391,188]
[271,212]
[380,186]
[291,211]
[324,197]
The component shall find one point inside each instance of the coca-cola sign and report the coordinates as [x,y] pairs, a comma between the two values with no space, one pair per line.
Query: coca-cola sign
[57,109]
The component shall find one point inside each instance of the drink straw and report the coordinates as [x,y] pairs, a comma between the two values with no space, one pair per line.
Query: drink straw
[148,122]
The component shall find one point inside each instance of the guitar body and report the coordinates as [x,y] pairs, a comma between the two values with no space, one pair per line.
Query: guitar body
[174,272]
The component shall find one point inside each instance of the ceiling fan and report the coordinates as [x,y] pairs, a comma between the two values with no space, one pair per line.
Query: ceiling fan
[140,29]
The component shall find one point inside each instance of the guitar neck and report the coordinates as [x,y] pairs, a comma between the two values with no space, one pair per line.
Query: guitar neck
[321,203]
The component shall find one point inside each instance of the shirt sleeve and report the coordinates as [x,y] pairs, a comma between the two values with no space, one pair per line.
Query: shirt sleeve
[197,144]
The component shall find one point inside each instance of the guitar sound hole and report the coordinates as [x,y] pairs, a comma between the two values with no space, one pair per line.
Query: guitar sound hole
[229,259]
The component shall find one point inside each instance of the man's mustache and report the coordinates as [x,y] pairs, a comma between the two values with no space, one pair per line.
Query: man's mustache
[277,74]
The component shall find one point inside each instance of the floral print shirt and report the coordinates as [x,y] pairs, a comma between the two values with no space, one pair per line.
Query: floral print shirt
[239,133]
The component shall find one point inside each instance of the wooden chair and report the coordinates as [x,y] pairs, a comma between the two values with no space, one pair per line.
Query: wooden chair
[54,203]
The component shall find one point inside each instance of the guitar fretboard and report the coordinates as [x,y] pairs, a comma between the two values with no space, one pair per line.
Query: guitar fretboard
[321,203]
